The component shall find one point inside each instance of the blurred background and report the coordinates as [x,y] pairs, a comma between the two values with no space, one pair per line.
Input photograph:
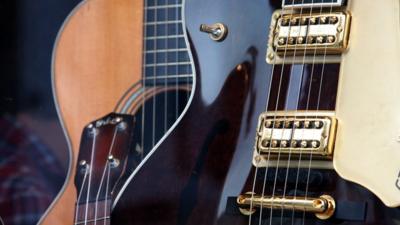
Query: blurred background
[33,149]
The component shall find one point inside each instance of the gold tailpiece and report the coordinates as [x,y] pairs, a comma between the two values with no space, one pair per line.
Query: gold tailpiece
[323,207]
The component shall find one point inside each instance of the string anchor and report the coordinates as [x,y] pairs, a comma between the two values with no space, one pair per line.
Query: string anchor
[323,207]
[114,163]
[84,166]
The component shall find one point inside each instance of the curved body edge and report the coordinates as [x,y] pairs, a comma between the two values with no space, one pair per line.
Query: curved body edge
[231,78]
[92,67]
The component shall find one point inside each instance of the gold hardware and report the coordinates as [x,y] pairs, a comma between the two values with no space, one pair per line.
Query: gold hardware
[333,19]
[313,20]
[295,133]
[300,40]
[217,31]
[271,56]
[294,35]
[323,207]
[322,20]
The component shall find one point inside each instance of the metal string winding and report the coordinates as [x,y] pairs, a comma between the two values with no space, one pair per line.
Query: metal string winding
[297,103]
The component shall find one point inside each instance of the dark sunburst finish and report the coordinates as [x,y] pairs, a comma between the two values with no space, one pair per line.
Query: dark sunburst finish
[206,160]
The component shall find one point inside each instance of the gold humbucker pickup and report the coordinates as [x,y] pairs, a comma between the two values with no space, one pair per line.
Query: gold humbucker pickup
[299,36]
[294,133]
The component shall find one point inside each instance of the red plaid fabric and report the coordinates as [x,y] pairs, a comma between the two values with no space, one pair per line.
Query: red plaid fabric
[30,175]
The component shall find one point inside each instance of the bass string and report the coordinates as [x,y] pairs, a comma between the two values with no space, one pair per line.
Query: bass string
[102,177]
[166,60]
[269,149]
[318,107]
[145,3]
[80,194]
[105,195]
[155,64]
[188,68]
[177,57]
[90,174]
[297,101]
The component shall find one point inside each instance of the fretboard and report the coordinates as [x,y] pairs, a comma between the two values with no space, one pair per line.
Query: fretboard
[165,53]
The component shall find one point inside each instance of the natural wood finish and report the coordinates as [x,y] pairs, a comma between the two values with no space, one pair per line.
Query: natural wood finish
[97,58]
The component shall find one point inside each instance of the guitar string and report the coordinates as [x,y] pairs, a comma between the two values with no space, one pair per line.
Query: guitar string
[309,91]
[269,148]
[297,100]
[105,194]
[318,106]
[285,114]
[80,194]
[166,72]
[257,149]
[90,173]
[310,87]
[103,175]
[145,15]
[153,135]
[177,56]
[188,69]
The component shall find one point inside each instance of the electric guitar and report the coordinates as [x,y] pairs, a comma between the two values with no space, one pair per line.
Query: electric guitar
[122,73]
[323,108]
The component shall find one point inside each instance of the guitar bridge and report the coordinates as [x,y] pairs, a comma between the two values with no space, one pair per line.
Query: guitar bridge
[323,207]
[296,133]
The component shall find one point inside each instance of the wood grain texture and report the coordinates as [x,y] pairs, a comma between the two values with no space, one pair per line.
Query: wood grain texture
[96,59]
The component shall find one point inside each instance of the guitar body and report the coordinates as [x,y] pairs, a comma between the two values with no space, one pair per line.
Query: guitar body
[97,57]
[183,180]
[207,159]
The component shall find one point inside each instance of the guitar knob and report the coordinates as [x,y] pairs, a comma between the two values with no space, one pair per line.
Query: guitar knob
[217,31]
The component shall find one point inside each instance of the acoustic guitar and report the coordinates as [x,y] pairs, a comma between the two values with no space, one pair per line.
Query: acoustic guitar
[123,73]
[323,109]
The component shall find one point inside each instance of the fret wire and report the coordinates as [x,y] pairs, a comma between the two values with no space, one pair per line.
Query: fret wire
[92,220]
[164,37]
[167,64]
[167,76]
[164,6]
[167,50]
[163,22]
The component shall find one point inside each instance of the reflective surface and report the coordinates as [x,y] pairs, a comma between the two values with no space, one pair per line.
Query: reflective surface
[206,160]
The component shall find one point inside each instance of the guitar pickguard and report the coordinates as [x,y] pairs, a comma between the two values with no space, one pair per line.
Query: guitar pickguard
[368,146]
